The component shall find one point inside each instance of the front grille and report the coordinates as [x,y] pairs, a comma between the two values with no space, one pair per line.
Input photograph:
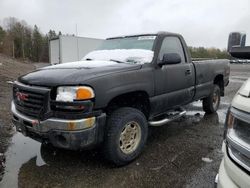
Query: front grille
[31,101]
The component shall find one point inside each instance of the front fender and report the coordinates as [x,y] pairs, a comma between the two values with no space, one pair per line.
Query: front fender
[108,87]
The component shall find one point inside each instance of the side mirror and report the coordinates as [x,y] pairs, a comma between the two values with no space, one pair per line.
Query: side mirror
[170,58]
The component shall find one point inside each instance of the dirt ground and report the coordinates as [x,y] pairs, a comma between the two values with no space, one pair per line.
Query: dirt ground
[184,153]
[10,69]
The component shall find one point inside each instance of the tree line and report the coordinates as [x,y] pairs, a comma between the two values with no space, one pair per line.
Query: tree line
[213,53]
[20,40]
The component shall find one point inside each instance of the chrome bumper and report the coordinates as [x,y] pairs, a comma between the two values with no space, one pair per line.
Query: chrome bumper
[68,134]
[52,123]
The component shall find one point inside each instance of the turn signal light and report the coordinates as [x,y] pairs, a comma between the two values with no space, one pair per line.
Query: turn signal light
[230,121]
[84,93]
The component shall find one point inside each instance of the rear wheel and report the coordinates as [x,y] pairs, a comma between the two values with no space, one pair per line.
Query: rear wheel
[212,102]
[126,135]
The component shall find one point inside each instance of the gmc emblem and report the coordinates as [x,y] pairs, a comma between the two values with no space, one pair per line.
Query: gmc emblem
[21,96]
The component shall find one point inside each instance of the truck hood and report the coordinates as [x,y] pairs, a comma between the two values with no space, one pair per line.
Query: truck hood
[74,73]
[241,100]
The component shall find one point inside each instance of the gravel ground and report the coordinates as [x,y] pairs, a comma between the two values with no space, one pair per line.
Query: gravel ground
[185,153]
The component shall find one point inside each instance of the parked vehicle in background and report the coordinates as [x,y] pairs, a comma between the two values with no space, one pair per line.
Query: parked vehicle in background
[235,167]
[233,61]
[236,39]
[239,61]
[115,92]
[66,48]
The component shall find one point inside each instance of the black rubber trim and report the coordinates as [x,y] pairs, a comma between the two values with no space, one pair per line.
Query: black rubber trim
[75,115]
[58,110]
[74,103]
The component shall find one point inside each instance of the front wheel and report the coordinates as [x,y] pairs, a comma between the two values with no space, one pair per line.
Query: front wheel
[212,102]
[125,136]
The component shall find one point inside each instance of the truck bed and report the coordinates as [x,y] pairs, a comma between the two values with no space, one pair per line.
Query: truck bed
[205,71]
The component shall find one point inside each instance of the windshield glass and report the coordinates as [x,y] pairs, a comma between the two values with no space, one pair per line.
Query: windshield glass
[137,49]
[139,42]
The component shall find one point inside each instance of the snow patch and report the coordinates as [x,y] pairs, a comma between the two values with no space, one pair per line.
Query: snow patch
[206,159]
[81,64]
[126,55]
[9,82]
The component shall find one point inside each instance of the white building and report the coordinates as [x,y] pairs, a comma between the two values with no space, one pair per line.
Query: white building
[71,48]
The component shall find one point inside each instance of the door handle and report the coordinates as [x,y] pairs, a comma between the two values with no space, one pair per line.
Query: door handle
[188,72]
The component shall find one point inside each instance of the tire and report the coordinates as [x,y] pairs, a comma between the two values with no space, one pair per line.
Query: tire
[125,136]
[212,102]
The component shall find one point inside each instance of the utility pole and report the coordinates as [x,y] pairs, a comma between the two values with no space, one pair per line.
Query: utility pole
[13,49]
[23,45]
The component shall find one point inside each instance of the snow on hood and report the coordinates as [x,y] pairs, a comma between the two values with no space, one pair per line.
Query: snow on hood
[126,55]
[81,64]
[245,89]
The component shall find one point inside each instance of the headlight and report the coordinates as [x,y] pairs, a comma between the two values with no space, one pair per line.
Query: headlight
[229,123]
[70,94]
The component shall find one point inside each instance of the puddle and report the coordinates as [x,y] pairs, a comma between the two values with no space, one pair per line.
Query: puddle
[221,114]
[20,151]
[195,110]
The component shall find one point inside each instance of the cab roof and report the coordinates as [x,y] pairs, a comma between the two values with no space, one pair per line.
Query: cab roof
[145,34]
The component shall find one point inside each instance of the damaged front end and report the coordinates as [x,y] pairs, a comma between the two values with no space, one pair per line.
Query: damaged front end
[66,124]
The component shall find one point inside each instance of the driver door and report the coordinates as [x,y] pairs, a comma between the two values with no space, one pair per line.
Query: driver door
[174,82]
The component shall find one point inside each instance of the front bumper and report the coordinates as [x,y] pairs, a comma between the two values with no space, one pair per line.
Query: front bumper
[68,134]
[230,175]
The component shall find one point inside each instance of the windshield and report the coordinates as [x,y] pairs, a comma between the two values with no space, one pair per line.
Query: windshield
[137,49]
[139,42]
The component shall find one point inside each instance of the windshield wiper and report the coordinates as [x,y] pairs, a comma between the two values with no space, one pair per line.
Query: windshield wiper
[117,61]
[131,61]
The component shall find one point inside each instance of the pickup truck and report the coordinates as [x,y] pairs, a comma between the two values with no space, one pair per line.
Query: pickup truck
[111,97]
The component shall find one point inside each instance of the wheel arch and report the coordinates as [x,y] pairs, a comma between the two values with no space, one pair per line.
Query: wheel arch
[136,99]
[219,80]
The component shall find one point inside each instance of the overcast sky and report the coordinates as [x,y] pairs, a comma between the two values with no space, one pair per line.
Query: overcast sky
[202,23]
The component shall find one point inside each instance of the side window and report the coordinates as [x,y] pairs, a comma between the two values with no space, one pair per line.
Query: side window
[172,45]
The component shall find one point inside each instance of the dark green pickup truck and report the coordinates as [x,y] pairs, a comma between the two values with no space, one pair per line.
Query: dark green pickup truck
[112,96]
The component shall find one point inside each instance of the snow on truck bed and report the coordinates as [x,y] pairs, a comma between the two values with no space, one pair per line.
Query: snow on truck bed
[126,55]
